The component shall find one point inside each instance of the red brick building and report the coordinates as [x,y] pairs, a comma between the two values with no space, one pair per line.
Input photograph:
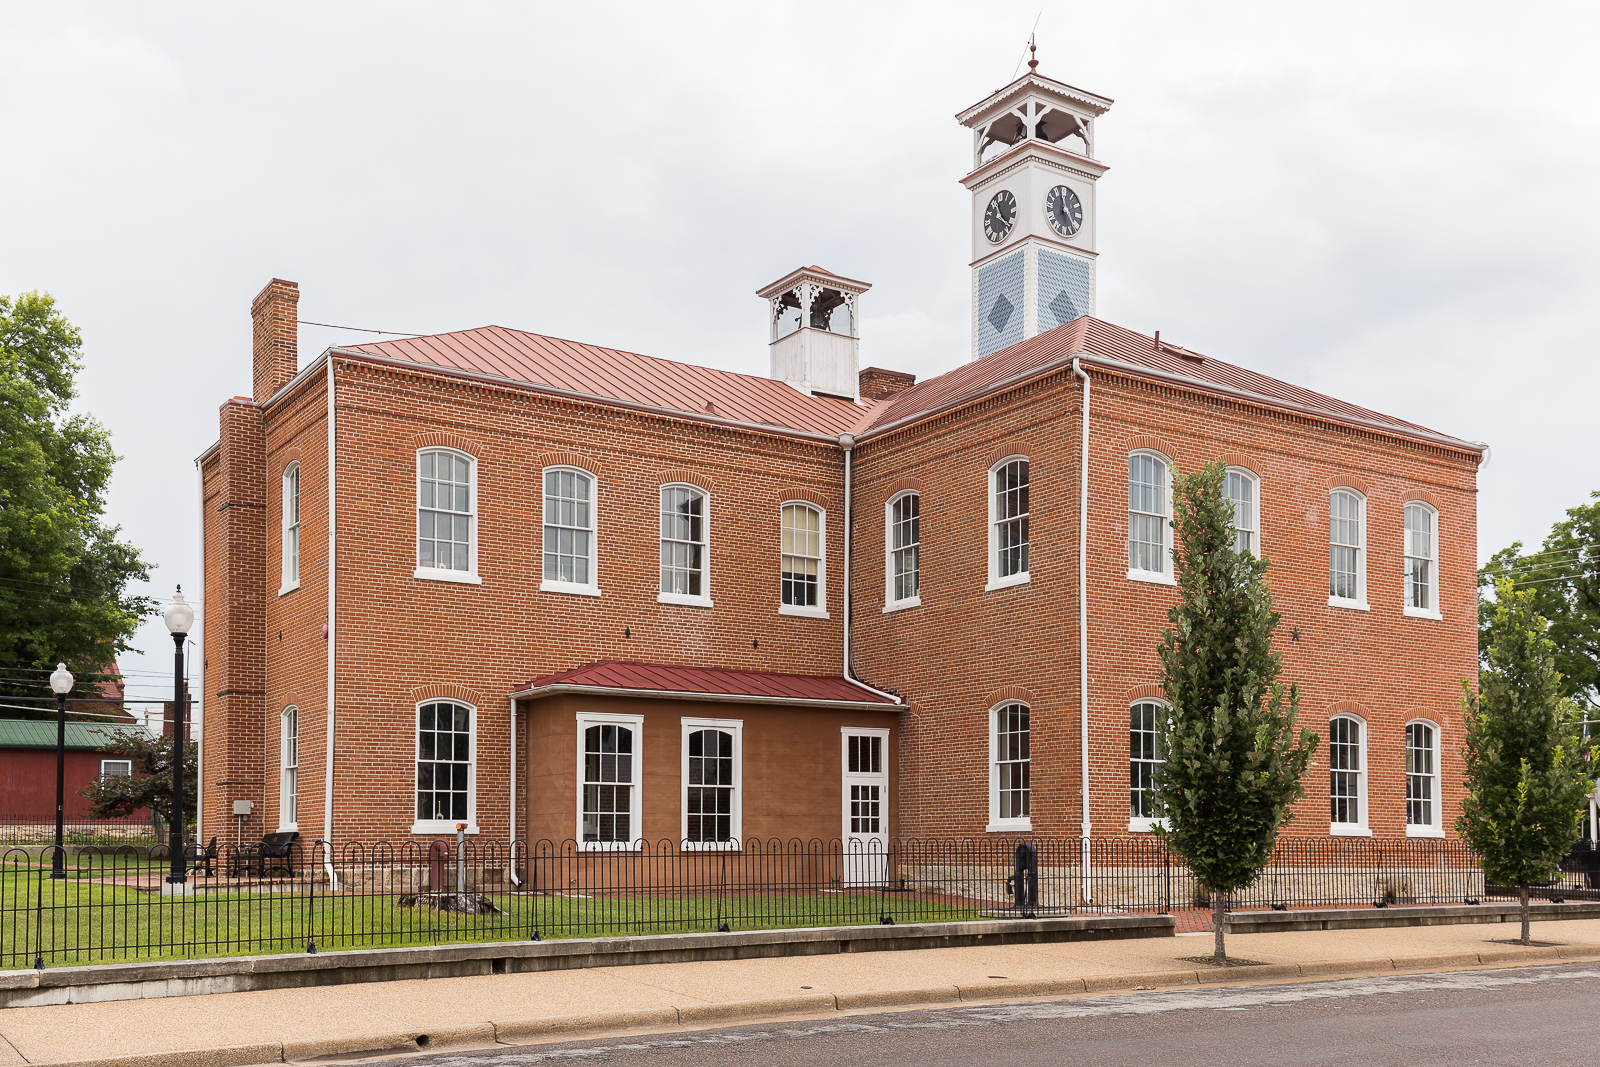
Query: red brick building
[553,590]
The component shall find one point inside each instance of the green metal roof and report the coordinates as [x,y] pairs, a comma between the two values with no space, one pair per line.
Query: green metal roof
[41,733]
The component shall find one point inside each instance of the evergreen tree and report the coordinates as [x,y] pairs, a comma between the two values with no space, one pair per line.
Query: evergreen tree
[1233,761]
[1529,773]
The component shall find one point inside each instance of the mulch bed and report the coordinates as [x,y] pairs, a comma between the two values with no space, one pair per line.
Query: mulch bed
[1231,961]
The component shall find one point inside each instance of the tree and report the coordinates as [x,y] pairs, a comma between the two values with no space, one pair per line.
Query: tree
[1528,769]
[1564,580]
[63,572]
[1233,762]
[150,785]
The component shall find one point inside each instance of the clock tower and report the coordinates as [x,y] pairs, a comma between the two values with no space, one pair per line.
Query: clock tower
[1033,219]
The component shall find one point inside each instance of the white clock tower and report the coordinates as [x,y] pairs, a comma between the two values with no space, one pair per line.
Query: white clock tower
[1033,219]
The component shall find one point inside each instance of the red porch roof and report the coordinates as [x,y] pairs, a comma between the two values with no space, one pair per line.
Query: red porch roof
[670,681]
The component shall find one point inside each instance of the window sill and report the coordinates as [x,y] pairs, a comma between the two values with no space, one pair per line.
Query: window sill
[1424,831]
[1423,613]
[1348,829]
[901,605]
[573,588]
[288,827]
[1008,826]
[290,587]
[1009,580]
[611,846]
[437,826]
[1153,577]
[1145,826]
[803,612]
[430,574]
[709,846]
[684,600]
[1349,605]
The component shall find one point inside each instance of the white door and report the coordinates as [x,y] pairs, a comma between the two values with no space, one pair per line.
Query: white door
[865,761]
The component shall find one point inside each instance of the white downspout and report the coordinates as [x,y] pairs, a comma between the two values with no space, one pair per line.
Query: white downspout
[848,443]
[333,630]
[511,845]
[199,669]
[1083,626]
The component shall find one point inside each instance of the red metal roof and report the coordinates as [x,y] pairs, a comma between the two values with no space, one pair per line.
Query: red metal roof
[612,374]
[666,679]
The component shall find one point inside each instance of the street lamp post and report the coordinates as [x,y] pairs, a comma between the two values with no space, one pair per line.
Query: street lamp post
[179,617]
[61,685]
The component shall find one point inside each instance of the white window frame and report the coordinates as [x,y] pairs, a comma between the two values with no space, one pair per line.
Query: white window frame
[1139,574]
[289,769]
[1362,827]
[1255,480]
[685,599]
[438,574]
[550,585]
[1436,827]
[1406,556]
[289,529]
[735,727]
[819,610]
[128,763]
[890,603]
[992,490]
[1359,603]
[1145,824]
[996,823]
[586,719]
[848,777]
[445,826]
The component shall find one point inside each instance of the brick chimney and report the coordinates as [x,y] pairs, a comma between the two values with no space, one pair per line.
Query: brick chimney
[877,382]
[275,336]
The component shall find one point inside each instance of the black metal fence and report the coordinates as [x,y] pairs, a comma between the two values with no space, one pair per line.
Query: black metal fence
[114,904]
[144,828]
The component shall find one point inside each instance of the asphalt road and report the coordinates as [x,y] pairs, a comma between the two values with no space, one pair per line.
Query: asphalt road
[1542,1015]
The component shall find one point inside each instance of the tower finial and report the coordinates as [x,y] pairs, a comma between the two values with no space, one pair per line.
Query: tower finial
[1033,55]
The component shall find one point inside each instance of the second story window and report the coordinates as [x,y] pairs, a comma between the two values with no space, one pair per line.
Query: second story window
[1148,540]
[1008,523]
[569,541]
[1241,489]
[683,545]
[445,513]
[905,543]
[291,528]
[1422,577]
[801,581]
[1347,563]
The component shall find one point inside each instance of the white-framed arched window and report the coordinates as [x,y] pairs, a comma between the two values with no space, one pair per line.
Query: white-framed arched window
[570,546]
[446,757]
[1422,560]
[1147,720]
[1423,817]
[685,521]
[1347,775]
[712,772]
[1347,549]
[1150,517]
[1242,489]
[1009,510]
[289,768]
[1010,767]
[803,567]
[902,539]
[610,750]
[290,515]
[447,509]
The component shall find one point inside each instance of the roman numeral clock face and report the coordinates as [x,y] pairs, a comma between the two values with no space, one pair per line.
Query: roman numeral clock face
[999,216]
[1064,210]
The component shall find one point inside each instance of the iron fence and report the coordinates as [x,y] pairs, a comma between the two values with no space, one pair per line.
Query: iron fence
[147,827]
[113,904]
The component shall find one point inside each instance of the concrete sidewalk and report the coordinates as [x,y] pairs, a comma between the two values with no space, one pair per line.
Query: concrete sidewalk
[297,1025]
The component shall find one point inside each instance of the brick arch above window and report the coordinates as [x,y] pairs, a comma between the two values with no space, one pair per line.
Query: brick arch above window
[682,477]
[568,459]
[902,485]
[1010,694]
[436,439]
[1146,692]
[1349,481]
[1242,459]
[291,700]
[794,494]
[447,691]
[1009,450]
[1151,443]
[1348,707]
[1423,495]
[286,457]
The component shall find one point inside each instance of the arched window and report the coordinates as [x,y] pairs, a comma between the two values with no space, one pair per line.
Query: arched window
[1146,720]
[446,786]
[446,513]
[1347,775]
[1422,560]
[609,747]
[802,581]
[1008,522]
[289,764]
[903,538]
[683,546]
[1422,780]
[711,792]
[1010,767]
[1347,549]
[569,532]
[291,528]
[1149,535]
[1243,490]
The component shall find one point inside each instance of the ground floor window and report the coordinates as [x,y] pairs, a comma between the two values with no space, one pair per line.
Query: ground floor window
[608,779]
[116,768]
[1422,777]
[1010,788]
[1144,755]
[444,765]
[1346,765]
[711,770]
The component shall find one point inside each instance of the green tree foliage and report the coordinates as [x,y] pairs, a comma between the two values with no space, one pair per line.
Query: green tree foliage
[63,572]
[1529,773]
[1564,579]
[1233,758]
[151,783]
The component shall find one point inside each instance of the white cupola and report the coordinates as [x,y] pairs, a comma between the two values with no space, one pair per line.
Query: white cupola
[815,322]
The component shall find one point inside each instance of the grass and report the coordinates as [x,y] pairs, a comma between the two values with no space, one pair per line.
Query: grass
[83,921]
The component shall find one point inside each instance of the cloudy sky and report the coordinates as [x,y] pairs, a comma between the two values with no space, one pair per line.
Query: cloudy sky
[1391,202]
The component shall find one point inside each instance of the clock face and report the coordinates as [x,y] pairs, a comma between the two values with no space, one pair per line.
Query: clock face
[999,216]
[1064,210]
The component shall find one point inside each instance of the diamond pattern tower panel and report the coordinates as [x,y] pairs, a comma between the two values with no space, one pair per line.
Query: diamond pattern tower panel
[1000,317]
[1066,289]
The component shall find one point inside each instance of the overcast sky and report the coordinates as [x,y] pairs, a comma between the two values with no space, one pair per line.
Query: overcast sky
[1390,202]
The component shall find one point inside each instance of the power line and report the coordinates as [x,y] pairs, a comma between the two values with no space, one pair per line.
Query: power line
[357,329]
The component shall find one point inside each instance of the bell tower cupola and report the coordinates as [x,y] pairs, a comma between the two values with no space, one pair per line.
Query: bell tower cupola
[815,323]
[1033,208]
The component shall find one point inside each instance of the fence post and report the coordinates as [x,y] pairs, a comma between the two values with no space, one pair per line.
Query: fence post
[1166,879]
